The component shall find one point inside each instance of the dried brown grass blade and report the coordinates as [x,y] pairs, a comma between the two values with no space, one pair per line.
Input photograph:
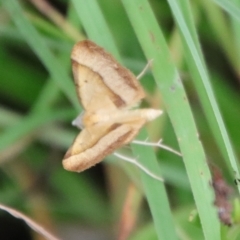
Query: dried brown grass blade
[31,223]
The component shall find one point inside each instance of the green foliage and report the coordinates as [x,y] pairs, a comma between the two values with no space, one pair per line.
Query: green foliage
[194,78]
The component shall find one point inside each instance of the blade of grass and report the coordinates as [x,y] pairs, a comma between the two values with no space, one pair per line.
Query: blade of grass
[39,115]
[229,6]
[46,98]
[32,123]
[97,30]
[236,40]
[168,81]
[56,17]
[52,134]
[38,45]
[220,26]
[201,80]
[99,33]
[40,109]
[31,223]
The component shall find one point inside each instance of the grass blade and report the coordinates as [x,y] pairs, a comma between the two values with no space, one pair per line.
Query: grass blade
[202,83]
[169,83]
[38,45]
[229,6]
[155,191]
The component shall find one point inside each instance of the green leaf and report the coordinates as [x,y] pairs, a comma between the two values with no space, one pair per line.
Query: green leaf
[154,46]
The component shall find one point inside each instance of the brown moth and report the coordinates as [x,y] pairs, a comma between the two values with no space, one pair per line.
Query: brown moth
[107,92]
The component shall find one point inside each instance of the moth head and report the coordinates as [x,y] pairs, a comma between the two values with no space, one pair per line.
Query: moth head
[78,121]
[151,114]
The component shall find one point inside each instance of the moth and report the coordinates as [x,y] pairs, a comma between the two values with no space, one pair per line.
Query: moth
[108,92]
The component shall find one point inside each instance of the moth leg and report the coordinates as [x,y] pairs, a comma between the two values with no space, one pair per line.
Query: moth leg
[139,165]
[148,65]
[157,144]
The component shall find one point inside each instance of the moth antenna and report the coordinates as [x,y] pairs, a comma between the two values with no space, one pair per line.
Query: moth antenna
[157,144]
[135,162]
[148,65]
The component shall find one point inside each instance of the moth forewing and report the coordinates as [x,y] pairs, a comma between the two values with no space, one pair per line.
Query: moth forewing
[114,76]
[89,95]
[107,91]
[79,159]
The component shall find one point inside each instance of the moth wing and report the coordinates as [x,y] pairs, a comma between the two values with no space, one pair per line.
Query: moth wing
[114,82]
[93,144]
[92,92]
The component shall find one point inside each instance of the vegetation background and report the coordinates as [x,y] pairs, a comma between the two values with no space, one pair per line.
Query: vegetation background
[195,76]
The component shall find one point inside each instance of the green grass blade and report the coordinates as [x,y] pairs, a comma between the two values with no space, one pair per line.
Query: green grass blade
[155,191]
[38,45]
[236,40]
[99,33]
[229,6]
[201,80]
[30,124]
[220,27]
[169,83]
